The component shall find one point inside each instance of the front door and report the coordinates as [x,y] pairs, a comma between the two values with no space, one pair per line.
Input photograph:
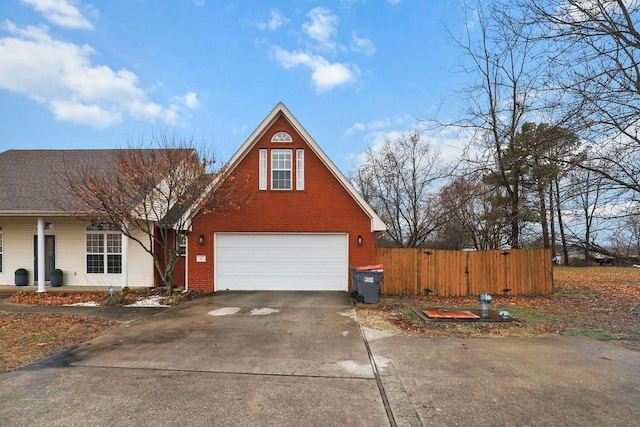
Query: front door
[49,256]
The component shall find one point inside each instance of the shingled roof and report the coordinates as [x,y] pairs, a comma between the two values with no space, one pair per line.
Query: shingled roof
[31,181]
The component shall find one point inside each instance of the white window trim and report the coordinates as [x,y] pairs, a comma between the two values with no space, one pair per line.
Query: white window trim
[262,185]
[289,169]
[105,250]
[300,169]
[1,249]
[281,137]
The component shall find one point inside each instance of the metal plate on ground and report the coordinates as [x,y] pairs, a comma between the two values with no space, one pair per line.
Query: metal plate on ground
[480,316]
[450,314]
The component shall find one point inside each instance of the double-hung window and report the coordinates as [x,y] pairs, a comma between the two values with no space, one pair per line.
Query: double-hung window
[281,169]
[104,250]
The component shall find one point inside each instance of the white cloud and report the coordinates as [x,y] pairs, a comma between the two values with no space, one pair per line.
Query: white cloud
[322,28]
[60,12]
[376,125]
[61,76]
[191,100]
[325,75]
[93,115]
[276,20]
[199,2]
[361,44]
[357,127]
[394,2]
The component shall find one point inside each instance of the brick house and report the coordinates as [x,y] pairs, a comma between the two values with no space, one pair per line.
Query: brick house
[300,226]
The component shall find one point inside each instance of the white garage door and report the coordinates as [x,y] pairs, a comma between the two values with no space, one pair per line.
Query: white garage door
[311,262]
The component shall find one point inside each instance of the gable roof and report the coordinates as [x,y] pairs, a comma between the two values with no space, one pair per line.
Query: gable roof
[281,110]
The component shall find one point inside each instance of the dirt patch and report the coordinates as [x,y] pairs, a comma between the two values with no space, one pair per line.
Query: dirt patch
[600,302]
[28,337]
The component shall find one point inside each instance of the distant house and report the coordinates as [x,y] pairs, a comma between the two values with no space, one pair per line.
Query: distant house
[300,224]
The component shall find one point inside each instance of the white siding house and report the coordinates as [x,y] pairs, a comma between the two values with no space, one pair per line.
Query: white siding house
[30,207]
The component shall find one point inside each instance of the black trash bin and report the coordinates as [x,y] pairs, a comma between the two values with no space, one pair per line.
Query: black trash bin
[366,283]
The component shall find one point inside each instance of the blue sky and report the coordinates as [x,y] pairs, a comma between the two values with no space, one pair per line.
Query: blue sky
[82,74]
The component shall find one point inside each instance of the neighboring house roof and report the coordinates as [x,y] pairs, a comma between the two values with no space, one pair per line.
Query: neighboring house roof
[280,109]
[30,180]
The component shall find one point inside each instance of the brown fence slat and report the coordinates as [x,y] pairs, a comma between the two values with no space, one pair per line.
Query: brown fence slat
[414,271]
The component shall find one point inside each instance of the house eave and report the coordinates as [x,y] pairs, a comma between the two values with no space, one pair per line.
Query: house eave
[18,213]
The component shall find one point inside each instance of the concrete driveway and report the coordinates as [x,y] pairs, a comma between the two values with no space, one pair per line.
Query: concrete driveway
[296,358]
[252,358]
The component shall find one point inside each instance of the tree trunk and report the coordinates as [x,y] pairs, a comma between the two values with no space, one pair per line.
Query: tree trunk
[543,217]
[552,223]
[563,237]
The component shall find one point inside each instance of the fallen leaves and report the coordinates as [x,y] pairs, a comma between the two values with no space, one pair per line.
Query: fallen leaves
[28,337]
[102,298]
[601,302]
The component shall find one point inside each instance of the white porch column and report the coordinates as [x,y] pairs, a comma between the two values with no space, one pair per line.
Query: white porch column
[41,256]
[125,258]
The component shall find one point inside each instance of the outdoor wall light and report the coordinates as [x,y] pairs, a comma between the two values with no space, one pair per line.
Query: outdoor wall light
[359,240]
[201,239]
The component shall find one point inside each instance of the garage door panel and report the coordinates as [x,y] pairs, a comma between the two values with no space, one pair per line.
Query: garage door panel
[281,261]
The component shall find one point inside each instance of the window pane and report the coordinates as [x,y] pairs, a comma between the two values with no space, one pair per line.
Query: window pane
[95,243]
[281,137]
[300,169]
[263,170]
[114,264]
[95,264]
[181,244]
[281,180]
[114,243]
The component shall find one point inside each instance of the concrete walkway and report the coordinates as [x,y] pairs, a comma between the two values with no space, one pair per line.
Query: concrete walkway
[292,358]
[549,381]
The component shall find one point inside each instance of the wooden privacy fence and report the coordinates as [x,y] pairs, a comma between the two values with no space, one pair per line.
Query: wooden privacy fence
[412,271]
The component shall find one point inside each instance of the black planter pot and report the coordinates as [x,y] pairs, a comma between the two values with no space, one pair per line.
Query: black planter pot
[22,279]
[56,278]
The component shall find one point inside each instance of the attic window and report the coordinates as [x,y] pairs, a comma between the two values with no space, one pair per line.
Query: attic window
[281,137]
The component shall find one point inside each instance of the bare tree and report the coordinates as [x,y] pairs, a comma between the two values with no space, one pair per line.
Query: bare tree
[398,178]
[505,92]
[588,192]
[151,194]
[593,58]
[473,218]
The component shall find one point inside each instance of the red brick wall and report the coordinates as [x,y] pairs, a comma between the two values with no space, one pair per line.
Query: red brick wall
[323,206]
[180,268]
